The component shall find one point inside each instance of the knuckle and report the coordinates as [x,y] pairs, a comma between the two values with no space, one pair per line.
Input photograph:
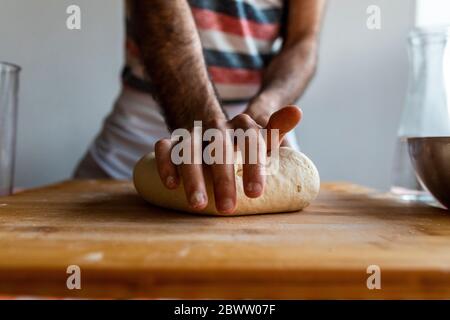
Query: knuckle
[244,120]
[256,169]
[216,123]
[162,145]
[224,182]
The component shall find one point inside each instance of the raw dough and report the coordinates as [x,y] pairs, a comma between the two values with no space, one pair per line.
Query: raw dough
[295,185]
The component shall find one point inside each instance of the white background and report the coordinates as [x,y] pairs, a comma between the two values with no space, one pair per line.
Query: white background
[432,12]
[70,79]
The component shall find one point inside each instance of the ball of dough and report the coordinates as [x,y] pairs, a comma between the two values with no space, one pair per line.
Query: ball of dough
[292,188]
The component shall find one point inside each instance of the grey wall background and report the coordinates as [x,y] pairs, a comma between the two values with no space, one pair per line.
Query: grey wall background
[353,107]
[71,78]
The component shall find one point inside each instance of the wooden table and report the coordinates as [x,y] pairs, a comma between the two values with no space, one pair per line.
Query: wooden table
[126,248]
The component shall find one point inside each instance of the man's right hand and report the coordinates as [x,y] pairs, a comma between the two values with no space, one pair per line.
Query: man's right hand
[192,175]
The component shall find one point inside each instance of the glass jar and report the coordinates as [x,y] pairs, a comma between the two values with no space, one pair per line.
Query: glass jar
[427,111]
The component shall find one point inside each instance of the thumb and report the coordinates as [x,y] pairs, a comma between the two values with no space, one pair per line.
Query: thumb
[285,120]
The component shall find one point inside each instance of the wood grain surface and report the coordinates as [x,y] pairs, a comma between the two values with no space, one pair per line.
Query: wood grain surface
[129,249]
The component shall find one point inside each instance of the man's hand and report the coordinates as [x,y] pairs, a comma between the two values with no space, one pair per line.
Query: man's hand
[223,174]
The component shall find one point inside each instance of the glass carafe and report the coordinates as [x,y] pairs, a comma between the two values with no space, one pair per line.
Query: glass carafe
[426,112]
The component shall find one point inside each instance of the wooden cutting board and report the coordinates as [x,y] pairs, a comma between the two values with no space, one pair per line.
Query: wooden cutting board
[126,248]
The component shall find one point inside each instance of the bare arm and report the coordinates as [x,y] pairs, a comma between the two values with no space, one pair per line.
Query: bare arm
[290,71]
[172,53]
[173,56]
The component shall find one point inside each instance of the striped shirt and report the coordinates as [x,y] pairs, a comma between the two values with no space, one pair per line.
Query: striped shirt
[239,38]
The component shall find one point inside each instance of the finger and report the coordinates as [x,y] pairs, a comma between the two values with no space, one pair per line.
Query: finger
[192,175]
[253,150]
[253,172]
[166,169]
[194,185]
[285,120]
[224,179]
